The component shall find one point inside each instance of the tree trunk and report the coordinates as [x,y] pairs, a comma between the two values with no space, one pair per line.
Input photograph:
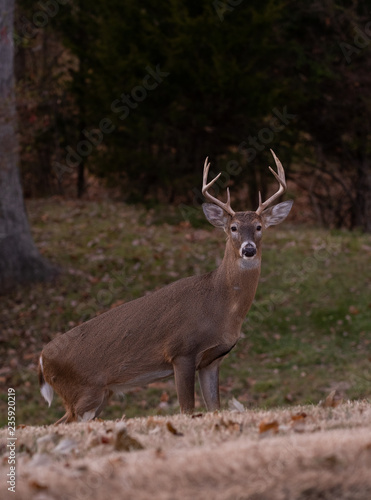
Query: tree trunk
[20,261]
[363,194]
[81,83]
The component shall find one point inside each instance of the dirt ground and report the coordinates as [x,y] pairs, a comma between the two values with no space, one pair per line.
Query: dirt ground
[297,453]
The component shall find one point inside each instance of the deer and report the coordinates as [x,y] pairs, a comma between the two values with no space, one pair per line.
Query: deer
[185,327]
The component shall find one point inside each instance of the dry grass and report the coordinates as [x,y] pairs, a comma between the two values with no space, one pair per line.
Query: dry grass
[310,452]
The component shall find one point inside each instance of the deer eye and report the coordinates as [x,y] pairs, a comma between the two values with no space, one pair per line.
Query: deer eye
[258,228]
[234,228]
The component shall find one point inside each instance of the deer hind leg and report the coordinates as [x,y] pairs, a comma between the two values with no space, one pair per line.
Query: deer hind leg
[106,396]
[91,403]
[66,419]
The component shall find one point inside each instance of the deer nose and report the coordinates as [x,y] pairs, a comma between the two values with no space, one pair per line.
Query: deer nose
[249,250]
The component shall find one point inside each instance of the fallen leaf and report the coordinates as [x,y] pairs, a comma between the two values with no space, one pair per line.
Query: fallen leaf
[124,442]
[164,397]
[298,422]
[235,405]
[36,485]
[172,429]
[93,279]
[48,442]
[231,425]
[299,416]
[29,355]
[117,303]
[333,400]
[353,310]
[197,415]
[159,453]
[265,426]
[330,461]
[65,446]
[13,363]
[154,422]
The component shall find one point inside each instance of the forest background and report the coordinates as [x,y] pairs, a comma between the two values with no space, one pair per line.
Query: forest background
[136,95]
[121,102]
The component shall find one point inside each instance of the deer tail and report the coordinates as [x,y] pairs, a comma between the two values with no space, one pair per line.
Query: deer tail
[45,388]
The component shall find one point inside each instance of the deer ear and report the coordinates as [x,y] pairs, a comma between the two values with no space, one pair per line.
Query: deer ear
[276,214]
[215,215]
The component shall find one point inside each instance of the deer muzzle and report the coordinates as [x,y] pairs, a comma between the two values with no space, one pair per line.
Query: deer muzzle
[248,250]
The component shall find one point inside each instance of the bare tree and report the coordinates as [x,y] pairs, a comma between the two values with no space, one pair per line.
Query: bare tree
[20,261]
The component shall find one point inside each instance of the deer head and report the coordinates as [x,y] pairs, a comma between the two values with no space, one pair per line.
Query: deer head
[245,229]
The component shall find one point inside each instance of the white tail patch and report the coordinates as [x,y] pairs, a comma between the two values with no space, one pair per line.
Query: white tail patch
[46,389]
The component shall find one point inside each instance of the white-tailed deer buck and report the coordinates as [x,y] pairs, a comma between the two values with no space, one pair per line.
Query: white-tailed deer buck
[187,326]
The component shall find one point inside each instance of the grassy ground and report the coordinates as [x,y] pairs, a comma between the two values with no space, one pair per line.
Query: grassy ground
[308,332]
[302,453]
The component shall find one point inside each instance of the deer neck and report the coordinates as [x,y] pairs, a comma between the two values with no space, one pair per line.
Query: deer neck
[238,278]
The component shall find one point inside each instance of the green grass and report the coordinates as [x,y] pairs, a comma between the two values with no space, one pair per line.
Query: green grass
[309,330]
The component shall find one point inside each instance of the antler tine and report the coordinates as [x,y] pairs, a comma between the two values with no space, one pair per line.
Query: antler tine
[280,176]
[205,186]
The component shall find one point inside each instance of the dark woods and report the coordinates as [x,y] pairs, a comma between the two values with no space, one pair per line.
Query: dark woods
[138,94]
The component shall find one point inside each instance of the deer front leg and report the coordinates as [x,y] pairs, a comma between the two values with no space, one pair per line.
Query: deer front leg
[184,373]
[209,382]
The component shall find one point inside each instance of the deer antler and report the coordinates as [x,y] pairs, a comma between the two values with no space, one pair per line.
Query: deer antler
[282,181]
[225,206]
